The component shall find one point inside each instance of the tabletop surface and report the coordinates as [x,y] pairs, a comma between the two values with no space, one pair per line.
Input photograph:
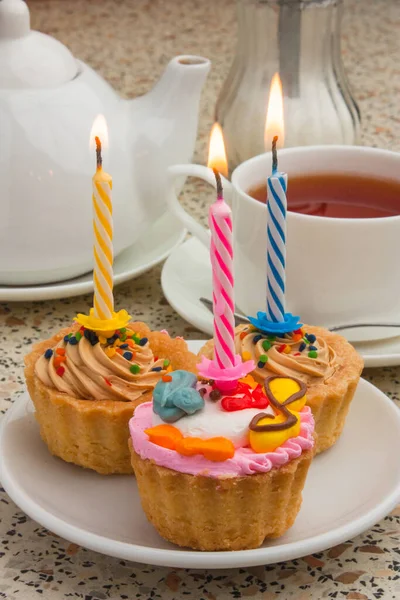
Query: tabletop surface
[129,42]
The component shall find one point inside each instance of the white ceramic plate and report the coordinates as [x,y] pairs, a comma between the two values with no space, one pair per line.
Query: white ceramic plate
[152,248]
[349,488]
[186,277]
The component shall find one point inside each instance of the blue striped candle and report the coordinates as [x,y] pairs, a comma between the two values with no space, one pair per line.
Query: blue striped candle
[276,240]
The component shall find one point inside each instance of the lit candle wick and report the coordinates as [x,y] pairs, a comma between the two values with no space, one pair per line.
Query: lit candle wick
[99,160]
[274,155]
[220,192]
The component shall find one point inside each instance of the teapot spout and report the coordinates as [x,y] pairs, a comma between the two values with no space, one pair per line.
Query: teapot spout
[172,107]
[177,96]
[164,127]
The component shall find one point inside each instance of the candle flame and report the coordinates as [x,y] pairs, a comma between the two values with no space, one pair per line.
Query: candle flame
[216,152]
[274,123]
[100,130]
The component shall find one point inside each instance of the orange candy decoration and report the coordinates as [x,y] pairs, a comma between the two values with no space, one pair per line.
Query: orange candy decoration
[58,360]
[166,436]
[216,449]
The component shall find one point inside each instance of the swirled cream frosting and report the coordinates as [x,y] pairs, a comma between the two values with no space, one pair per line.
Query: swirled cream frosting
[301,355]
[91,367]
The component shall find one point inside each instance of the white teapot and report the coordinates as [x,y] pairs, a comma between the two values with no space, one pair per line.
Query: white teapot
[48,103]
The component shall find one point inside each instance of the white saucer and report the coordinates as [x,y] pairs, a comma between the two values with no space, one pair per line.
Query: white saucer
[152,248]
[186,276]
[349,488]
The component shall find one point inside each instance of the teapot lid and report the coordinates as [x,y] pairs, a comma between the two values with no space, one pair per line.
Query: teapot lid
[30,59]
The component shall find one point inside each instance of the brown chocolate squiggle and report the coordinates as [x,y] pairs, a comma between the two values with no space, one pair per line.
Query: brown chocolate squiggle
[290,418]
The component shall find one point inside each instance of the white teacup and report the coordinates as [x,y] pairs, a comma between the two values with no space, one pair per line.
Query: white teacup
[339,270]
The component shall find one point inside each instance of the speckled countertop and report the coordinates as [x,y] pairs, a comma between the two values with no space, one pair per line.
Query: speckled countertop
[142,35]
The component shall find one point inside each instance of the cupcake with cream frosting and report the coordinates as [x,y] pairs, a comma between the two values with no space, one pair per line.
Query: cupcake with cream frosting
[229,466]
[86,385]
[324,361]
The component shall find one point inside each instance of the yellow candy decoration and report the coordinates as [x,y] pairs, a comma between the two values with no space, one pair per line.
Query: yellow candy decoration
[287,396]
[268,441]
[284,387]
[250,381]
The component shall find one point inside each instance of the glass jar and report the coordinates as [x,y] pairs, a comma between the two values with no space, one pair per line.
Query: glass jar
[299,40]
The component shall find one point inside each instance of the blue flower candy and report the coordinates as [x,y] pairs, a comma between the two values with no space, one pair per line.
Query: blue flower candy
[174,399]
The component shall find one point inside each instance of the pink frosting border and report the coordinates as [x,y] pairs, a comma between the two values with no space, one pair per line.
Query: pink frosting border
[244,462]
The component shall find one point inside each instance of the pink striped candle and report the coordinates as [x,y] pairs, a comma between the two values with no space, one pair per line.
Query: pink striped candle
[221,254]
[227,367]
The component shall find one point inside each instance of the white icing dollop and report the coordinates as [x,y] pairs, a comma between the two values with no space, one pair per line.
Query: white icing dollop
[214,421]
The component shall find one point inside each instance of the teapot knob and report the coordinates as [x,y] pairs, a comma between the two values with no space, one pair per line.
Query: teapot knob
[14,19]
[30,59]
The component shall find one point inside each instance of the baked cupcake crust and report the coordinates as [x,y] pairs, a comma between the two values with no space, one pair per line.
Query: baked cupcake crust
[235,513]
[94,433]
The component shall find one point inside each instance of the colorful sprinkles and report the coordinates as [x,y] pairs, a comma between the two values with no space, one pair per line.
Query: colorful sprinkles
[122,342]
[305,340]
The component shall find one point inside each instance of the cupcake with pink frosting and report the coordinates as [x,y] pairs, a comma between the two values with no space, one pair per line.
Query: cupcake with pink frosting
[229,466]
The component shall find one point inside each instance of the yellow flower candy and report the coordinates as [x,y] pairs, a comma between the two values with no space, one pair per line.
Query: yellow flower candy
[105,327]
[110,352]
[246,355]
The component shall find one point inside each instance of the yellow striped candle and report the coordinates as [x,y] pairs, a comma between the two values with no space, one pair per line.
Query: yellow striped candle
[103,302]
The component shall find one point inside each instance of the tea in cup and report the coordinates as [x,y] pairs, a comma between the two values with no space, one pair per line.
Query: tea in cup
[343,234]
